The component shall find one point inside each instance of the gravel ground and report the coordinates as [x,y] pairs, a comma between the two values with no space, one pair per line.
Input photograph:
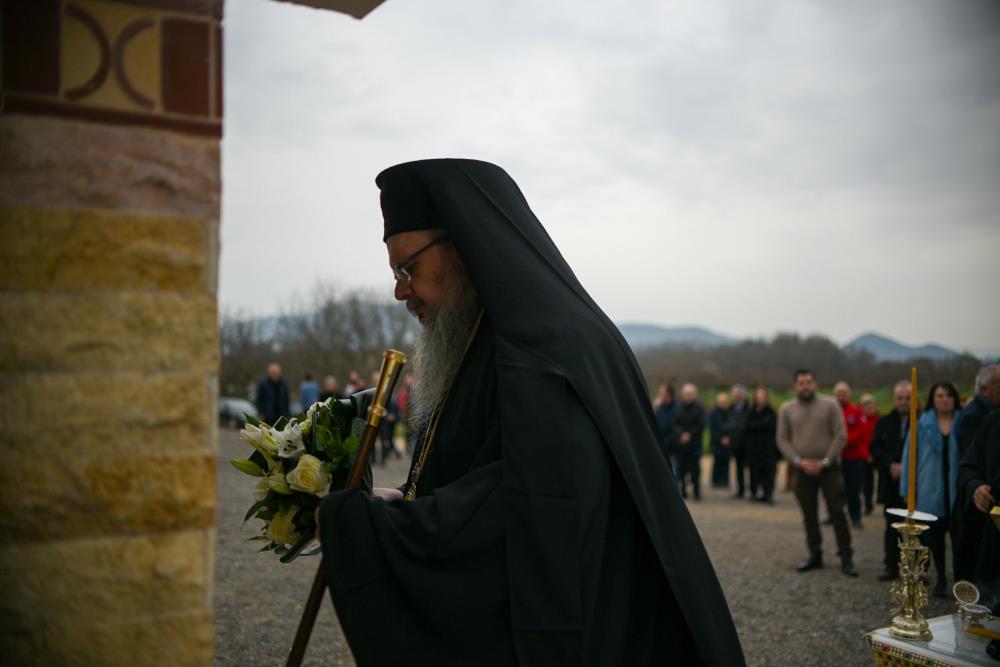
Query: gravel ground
[783,617]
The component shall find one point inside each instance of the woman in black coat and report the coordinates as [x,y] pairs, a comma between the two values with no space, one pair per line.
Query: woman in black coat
[759,440]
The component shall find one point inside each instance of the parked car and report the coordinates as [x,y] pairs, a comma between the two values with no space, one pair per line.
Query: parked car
[232,409]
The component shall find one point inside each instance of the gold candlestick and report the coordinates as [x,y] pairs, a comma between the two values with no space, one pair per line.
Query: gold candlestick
[909,595]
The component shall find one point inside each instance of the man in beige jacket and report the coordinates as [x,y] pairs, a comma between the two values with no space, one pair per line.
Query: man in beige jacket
[811,435]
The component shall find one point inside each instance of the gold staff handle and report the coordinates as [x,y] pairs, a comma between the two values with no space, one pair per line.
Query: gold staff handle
[392,364]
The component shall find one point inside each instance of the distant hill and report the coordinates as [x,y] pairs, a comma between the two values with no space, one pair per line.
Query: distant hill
[886,349]
[881,347]
[648,335]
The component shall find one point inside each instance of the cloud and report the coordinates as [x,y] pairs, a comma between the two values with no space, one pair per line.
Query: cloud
[722,149]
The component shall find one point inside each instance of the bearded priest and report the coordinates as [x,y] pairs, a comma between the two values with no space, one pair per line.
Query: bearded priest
[539,524]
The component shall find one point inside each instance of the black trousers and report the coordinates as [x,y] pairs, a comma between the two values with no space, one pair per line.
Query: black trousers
[934,540]
[687,466]
[869,487]
[854,481]
[807,488]
[720,468]
[740,455]
[762,478]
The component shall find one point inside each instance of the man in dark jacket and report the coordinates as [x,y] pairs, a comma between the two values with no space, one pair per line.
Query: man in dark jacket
[987,399]
[886,450]
[739,419]
[978,489]
[689,424]
[273,396]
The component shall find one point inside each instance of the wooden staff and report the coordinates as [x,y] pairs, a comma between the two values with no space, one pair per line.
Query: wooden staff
[392,364]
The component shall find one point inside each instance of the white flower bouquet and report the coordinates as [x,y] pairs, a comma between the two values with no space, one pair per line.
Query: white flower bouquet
[297,462]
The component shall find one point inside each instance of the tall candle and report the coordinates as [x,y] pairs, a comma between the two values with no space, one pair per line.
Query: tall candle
[911,495]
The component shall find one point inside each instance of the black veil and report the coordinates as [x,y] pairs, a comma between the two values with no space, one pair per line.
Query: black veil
[544,321]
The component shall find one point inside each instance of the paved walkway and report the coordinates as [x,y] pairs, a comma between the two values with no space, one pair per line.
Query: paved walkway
[783,617]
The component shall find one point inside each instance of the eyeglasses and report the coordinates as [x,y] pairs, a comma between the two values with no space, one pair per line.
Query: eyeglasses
[401,271]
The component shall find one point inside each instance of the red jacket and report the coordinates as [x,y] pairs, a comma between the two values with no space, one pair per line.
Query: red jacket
[869,423]
[858,436]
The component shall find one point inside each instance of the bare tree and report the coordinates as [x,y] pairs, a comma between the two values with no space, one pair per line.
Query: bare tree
[245,350]
[328,332]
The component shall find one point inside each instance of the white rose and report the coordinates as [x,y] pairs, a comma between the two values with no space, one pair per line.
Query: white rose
[280,528]
[309,476]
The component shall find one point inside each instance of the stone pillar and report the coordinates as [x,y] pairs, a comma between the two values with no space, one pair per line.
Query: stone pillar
[109,210]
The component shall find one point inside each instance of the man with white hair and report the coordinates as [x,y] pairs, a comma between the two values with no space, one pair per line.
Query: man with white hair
[968,530]
[986,400]
[689,425]
[536,526]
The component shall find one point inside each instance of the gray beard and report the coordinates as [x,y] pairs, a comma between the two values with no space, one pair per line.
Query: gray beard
[438,352]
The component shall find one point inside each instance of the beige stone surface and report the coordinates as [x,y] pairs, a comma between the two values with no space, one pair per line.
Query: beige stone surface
[64,417]
[107,331]
[110,579]
[108,371]
[50,499]
[66,249]
[177,640]
[49,162]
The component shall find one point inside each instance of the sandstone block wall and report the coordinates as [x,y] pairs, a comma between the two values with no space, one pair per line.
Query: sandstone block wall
[109,214]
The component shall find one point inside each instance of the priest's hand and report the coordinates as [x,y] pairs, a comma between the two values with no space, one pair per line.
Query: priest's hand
[982,498]
[895,470]
[387,495]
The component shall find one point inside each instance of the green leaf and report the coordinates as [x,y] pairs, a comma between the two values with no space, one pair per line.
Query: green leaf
[341,413]
[324,439]
[351,445]
[256,506]
[293,553]
[269,547]
[280,424]
[253,420]
[247,467]
[258,458]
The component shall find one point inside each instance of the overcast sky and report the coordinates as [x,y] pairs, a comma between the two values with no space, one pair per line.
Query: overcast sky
[751,167]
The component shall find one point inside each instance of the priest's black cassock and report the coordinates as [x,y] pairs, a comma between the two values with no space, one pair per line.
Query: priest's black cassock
[978,536]
[547,528]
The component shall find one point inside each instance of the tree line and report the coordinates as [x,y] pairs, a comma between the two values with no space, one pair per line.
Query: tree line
[336,332]
[332,333]
[771,363]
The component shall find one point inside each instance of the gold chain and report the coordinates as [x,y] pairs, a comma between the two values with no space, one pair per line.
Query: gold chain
[411,489]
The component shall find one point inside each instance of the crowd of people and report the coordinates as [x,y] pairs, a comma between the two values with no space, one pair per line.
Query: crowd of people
[830,445]
[835,446]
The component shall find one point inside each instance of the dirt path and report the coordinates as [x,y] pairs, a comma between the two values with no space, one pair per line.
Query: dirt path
[783,617]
